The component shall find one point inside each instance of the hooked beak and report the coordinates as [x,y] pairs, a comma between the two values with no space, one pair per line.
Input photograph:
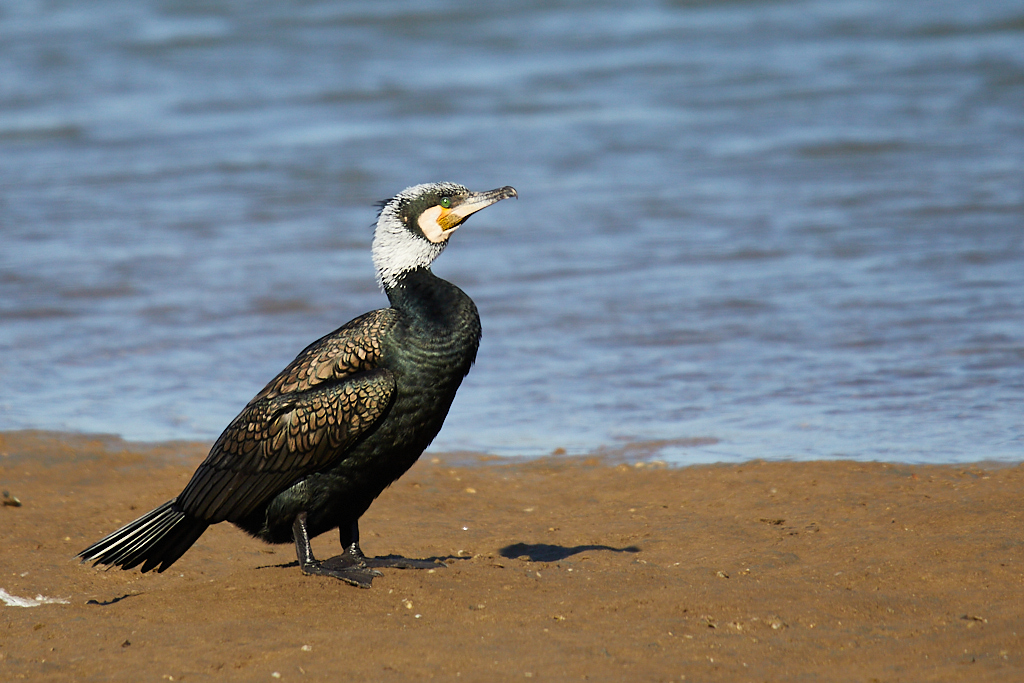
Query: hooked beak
[467,206]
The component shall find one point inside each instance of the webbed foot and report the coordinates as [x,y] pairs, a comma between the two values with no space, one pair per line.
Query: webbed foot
[340,567]
[345,567]
[355,554]
[353,560]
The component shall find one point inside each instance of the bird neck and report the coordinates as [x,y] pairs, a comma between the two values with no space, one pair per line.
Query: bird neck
[430,300]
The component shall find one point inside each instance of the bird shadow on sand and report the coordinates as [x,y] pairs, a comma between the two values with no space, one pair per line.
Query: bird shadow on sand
[544,552]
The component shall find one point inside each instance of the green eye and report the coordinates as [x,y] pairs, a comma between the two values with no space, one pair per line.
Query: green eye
[446,202]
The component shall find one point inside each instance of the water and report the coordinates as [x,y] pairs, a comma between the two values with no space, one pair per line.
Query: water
[746,229]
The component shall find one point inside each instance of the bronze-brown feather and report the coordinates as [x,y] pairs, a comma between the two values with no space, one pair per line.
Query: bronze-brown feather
[312,411]
[352,348]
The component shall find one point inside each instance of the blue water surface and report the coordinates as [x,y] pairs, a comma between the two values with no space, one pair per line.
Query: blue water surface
[745,229]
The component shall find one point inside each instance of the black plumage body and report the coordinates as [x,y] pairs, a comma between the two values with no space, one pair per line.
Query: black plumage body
[345,419]
[431,340]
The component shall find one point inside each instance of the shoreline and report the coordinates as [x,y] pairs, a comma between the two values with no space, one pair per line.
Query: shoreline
[559,568]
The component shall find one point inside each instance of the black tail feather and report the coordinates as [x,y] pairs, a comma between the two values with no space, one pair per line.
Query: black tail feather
[156,540]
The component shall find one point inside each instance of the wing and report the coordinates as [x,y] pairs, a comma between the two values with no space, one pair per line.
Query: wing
[352,348]
[300,423]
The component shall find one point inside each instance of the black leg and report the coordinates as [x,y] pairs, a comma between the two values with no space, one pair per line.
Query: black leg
[349,536]
[340,567]
[350,543]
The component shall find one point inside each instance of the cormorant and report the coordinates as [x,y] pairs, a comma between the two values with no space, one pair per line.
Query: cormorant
[345,419]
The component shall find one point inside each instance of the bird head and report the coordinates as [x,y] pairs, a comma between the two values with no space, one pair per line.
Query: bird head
[414,226]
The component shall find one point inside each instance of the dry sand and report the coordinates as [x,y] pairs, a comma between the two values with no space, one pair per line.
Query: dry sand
[559,569]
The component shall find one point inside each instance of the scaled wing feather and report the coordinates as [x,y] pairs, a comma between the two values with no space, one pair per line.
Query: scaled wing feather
[300,423]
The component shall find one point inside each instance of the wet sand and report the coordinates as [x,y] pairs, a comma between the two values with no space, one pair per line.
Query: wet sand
[559,569]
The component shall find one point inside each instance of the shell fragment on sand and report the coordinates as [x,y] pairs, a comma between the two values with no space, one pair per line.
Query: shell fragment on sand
[15,601]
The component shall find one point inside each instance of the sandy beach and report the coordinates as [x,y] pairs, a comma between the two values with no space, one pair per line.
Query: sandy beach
[558,569]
